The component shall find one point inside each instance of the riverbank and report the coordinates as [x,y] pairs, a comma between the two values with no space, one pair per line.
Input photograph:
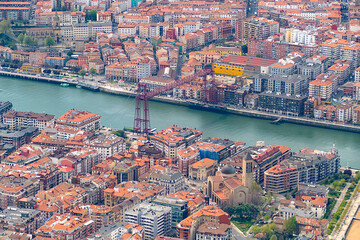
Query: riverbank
[200,106]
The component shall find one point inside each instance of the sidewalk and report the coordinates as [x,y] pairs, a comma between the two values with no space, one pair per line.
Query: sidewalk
[348,218]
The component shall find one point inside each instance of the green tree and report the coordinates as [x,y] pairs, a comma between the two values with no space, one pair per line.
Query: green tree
[245,211]
[91,15]
[28,41]
[120,133]
[20,38]
[258,55]
[49,41]
[5,28]
[92,71]
[256,194]
[244,48]
[82,72]
[291,227]
[273,237]
[70,53]
[35,42]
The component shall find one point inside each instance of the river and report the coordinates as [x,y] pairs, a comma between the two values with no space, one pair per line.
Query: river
[118,112]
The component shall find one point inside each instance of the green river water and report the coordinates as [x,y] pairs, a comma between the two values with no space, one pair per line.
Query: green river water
[118,112]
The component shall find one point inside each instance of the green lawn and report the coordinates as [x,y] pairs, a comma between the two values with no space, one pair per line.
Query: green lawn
[242,224]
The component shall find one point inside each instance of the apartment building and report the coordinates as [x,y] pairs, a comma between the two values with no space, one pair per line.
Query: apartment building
[65,226]
[173,139]
[89,30]
[285,104]
[20,220]
[323,86]
[312,70]
[14,13]
[330,50]
[155,219]
[172,180]
[287,84]
[186,157]
[18,137]
[179,208]
[258,28]
[81,120]
[28,119]
[188,227]
[281,178]
[343,70]
[127,28]
[314,165]
[14,188]
[352,53]
[107,146]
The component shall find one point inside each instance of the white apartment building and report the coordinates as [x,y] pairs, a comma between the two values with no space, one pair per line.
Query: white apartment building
[155,219]
[89,30]
[127,28]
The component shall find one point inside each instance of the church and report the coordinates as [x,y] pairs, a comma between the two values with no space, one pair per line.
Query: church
[41,33]
[227,188]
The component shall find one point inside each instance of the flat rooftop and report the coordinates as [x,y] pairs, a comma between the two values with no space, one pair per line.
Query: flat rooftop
[245,60]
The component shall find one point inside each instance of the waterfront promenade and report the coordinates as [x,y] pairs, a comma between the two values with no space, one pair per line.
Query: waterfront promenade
[109,88]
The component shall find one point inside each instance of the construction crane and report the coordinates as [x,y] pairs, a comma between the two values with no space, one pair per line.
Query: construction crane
[142,117]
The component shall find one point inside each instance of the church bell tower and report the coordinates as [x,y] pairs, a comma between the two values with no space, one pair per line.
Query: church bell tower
[247,168]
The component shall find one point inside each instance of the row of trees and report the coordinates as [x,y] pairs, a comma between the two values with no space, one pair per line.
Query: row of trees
[83,72]
[28,41]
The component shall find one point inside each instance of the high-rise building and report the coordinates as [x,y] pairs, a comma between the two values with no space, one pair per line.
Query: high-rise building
[155,219]
[258,28]
[179,208]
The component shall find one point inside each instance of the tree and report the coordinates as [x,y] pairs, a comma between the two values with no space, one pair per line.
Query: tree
[244,48]
[28,41]
[120,133]
[245,211]
[91,15]
[291,227]
[5,28]
[273,237]
[92,71]
[256,194]
[20,38]
[82,73]
[49,41]
[258,55]
[70,53]
[35,42]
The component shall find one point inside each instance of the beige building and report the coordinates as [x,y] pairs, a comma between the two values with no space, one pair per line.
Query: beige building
[202,169]
[39,120]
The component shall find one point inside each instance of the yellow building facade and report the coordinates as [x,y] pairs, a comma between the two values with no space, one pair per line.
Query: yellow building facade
[227,69]
[26,68]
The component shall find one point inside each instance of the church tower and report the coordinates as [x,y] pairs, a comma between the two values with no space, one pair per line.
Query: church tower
[247,167]
[56,28]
